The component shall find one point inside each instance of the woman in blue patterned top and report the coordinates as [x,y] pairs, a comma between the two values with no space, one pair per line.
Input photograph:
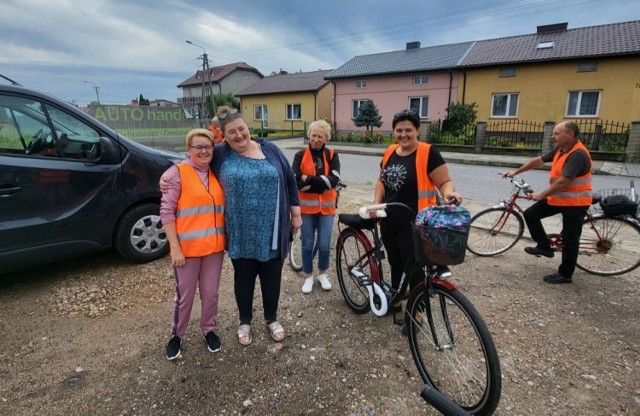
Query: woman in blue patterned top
[261,207]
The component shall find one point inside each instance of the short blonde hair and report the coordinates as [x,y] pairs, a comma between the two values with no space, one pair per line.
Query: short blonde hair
[199,132]
[322,125]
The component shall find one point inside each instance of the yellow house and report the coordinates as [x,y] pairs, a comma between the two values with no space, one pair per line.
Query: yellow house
[288,101]
[556,74]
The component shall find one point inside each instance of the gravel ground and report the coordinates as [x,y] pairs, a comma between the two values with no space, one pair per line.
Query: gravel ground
[88,336]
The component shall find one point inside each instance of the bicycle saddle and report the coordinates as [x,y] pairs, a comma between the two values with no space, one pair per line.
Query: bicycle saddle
[357,222]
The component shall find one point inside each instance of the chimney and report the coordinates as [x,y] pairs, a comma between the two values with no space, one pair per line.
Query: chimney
[556,27]
[413,45]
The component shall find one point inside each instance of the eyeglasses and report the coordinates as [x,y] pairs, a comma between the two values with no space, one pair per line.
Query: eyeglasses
[227,113]
[405,113]
[201,147]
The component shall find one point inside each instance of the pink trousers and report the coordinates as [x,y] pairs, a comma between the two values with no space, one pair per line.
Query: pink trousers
[202,272]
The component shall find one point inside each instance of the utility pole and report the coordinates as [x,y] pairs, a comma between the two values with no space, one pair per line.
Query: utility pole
[205,70]
[95,87]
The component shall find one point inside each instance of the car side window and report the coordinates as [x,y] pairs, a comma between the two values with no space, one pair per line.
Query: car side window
[29,127]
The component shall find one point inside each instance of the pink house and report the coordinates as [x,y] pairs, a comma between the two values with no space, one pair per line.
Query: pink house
[422,79]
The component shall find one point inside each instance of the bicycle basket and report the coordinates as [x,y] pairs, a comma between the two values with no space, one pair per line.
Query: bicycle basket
[440,235]
[618,204]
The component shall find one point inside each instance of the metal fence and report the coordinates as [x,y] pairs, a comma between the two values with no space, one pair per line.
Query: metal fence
[604,135]
[519,134]
[440,133]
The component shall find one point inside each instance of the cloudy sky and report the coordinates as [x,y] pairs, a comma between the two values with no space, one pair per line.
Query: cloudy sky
[127,48]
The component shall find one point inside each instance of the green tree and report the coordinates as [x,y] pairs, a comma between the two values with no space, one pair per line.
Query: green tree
[212,102]
[368,116]
[459,118]
[142,100]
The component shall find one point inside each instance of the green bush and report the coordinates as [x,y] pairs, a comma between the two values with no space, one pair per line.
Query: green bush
[261,132]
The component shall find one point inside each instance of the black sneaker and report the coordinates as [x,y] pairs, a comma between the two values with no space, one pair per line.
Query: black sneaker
[173,348]
[537,251]
[444,272]
[213,341]
[557,278]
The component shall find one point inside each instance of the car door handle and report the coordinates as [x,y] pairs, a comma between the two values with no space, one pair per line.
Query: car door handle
[9,190]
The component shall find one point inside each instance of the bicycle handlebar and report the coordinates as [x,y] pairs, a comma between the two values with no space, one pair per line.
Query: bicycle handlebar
[381,212]
[519,183]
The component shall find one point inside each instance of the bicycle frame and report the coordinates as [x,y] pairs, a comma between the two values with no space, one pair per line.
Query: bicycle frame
[511,205]
[373,247]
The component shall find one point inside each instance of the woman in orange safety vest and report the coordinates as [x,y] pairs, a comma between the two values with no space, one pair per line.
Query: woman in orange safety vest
[317,170]
[192,212]
[410,173]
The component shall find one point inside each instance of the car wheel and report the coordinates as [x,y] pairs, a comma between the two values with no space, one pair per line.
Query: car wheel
[140,235]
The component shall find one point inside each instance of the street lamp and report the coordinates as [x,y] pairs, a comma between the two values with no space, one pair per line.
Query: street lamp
[205,67]
[95,87]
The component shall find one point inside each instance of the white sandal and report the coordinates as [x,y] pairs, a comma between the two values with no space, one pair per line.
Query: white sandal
[244,331]
[276,330]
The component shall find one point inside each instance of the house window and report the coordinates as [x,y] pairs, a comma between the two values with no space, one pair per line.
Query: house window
[261,114]
[588,67]
[361,83]
[293,111]
[356,106]
[583,103]
[545,45]
[420,105]
[507,72]
[504,105]
[420,79]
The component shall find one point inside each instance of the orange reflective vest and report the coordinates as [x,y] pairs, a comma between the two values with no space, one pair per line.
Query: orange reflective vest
[580,191]
[217,133]
[426,188]
[200,214]
[310,202]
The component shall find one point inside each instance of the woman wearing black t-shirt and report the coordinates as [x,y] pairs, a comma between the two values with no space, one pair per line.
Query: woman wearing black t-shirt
[401,176]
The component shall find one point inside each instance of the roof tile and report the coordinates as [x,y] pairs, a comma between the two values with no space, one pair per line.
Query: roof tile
[584,42]
[298,82]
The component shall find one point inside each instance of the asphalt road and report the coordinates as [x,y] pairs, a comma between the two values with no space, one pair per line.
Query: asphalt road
[481,186]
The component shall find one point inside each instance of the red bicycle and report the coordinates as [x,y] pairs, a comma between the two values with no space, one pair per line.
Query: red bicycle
[609,244]
[450,342]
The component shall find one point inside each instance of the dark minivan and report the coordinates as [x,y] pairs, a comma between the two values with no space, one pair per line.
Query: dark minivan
[70,185]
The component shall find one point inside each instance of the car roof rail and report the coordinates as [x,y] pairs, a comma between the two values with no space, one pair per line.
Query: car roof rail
[11,81]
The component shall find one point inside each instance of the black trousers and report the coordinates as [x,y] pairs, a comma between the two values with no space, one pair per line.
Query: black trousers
[572,221]
[398,243]
[244,278]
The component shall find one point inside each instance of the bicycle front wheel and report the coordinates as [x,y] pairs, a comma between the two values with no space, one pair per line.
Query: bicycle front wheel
[609,246]
[355,268]
[453,349]
[295,252]
[494,231]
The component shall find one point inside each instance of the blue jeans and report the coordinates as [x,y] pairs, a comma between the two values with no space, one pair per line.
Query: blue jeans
[322,224]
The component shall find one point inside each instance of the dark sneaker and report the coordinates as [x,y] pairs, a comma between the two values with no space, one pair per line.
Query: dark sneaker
[213,342]
[557,278]
[444,272]
[537,251]
[173,348]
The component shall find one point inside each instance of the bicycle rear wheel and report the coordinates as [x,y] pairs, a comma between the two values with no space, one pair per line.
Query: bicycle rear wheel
[609,246]
[295,251]
[494,231]
[458,357]
[355,268]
